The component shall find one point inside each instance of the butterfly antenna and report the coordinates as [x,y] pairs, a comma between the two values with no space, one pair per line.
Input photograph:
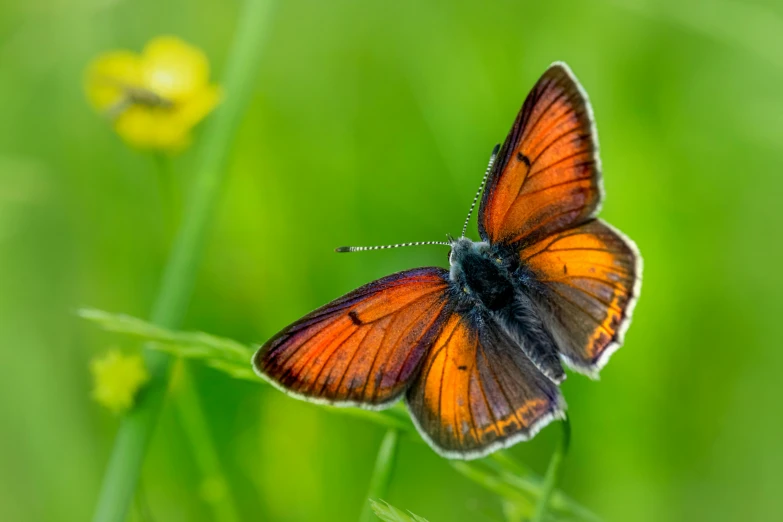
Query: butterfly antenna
[481,187]
[383,247]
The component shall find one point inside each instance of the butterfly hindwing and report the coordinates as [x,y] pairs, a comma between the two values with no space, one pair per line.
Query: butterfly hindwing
[363,348]
[547,174]
[590,277]
[477,391]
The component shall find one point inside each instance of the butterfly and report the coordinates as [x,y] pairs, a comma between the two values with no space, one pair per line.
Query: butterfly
[477,350]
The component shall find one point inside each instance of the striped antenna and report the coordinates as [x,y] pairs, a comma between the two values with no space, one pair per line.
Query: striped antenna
[383,247]
[481,187]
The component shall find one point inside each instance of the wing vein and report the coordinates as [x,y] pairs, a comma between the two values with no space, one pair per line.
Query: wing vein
[594,296]
[569,112]
[424,332]
[350,362]
[577,128]
[588,314]
[590,161]
[470,402]
[391,352]
[531,127]
[332,340]
[502,389]
[331,370]
[565,280]
[548,220]
[440,388]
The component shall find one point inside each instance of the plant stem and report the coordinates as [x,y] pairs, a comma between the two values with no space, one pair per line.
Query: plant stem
[214,487]
[381,474]
[169,194]
[491,482]
[553,472]
[134,434]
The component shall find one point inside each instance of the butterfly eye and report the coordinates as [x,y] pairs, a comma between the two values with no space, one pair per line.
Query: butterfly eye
[451,252]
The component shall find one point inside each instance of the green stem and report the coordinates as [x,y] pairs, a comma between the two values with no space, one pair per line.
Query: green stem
[134,434]
[491,482]
[553,473]
[521,477]
[214,487]
[169,195]
[381,474]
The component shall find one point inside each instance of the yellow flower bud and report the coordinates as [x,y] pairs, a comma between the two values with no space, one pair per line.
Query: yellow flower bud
[117,378]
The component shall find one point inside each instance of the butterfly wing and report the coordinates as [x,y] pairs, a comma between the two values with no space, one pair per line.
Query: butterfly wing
[547,175]
[478,392]
[541,199]
[363,348]
[590,279]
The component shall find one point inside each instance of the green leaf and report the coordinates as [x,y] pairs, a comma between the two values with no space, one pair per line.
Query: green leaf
[389,513]
[222,354]
[382,472]
[219,347]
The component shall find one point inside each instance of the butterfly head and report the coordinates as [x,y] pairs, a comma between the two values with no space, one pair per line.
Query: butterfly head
[460,247]
[464,250]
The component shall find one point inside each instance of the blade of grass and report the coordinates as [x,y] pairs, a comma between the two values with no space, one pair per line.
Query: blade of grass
[506,463]
[520,476]
[205,345]
[553,472]
[214,488]
[493,483]
[169,195]
[381,474]
[389,513]
[384,418]
[130,445]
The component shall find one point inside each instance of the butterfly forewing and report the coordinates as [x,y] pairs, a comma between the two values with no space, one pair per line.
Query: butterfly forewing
[591,277]
[477,391]
[546,178]
[363,348]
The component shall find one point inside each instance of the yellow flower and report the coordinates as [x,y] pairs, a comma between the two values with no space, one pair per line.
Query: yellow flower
[117,379]
[153,99]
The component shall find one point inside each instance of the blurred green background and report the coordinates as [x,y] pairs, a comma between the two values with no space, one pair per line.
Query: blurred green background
[370,123]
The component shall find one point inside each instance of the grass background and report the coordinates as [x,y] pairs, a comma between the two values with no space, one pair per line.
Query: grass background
[371,122]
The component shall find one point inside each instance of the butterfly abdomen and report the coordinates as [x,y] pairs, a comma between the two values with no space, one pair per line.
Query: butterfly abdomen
[522,321]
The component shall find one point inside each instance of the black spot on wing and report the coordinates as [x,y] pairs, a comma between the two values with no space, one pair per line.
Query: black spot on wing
[524,159]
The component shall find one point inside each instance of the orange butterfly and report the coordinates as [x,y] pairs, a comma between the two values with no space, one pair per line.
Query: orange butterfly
[476,350]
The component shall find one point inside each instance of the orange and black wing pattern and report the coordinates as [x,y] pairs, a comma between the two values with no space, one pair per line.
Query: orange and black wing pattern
[477,391]
[364,348]
[547,174]
[591,276]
